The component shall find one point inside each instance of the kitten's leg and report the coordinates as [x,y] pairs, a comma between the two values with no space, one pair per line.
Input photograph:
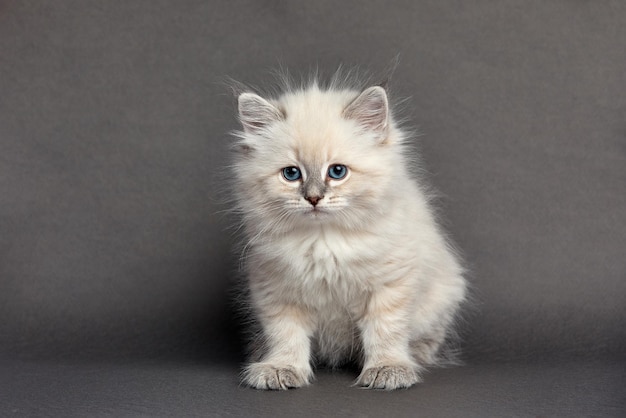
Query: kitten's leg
[426,348]
[385,337]
[434,315]
[286,362]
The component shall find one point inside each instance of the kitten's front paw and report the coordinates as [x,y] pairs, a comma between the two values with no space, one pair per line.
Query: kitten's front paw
[388,377]
[274,377]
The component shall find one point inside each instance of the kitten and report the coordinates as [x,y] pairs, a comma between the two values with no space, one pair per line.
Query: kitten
[344,258]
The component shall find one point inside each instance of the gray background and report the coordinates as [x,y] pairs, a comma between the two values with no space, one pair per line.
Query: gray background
[116,263]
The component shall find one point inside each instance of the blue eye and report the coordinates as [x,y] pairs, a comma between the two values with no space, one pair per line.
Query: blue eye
[337,171]
[291,173]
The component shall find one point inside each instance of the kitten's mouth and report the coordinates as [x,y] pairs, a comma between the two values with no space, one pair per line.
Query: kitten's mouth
[315,212]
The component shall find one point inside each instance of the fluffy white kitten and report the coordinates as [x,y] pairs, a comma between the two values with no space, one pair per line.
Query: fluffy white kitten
[344,259]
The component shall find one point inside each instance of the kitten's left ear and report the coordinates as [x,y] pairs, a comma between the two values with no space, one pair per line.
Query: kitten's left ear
[256,113]
[371,111]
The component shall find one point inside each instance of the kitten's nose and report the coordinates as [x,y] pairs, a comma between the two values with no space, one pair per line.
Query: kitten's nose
[314,199]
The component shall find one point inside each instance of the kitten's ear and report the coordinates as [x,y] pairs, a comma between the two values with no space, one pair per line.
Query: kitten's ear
[370,110]
[256,113]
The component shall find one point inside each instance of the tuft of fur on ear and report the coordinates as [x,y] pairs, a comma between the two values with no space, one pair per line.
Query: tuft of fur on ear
[370,110]
[256,113]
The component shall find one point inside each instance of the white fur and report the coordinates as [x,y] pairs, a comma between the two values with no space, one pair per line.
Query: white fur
[368,275]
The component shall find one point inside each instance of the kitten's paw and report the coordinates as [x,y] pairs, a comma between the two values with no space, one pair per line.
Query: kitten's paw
[274,377]
[388,377]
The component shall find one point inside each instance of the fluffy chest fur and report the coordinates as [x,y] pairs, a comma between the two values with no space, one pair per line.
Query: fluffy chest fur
[323,269]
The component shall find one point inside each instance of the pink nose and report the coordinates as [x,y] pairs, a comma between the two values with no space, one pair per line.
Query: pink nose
[314,199]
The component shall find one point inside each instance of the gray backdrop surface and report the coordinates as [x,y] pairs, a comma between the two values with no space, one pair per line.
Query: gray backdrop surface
[114,121]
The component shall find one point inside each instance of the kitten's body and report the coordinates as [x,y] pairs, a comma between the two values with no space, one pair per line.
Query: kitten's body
[339,269]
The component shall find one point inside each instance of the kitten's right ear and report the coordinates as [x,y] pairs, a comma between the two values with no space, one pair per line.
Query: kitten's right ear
[256,113]
[371,111]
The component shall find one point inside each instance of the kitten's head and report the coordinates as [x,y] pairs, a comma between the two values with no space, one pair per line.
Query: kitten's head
[317,157]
